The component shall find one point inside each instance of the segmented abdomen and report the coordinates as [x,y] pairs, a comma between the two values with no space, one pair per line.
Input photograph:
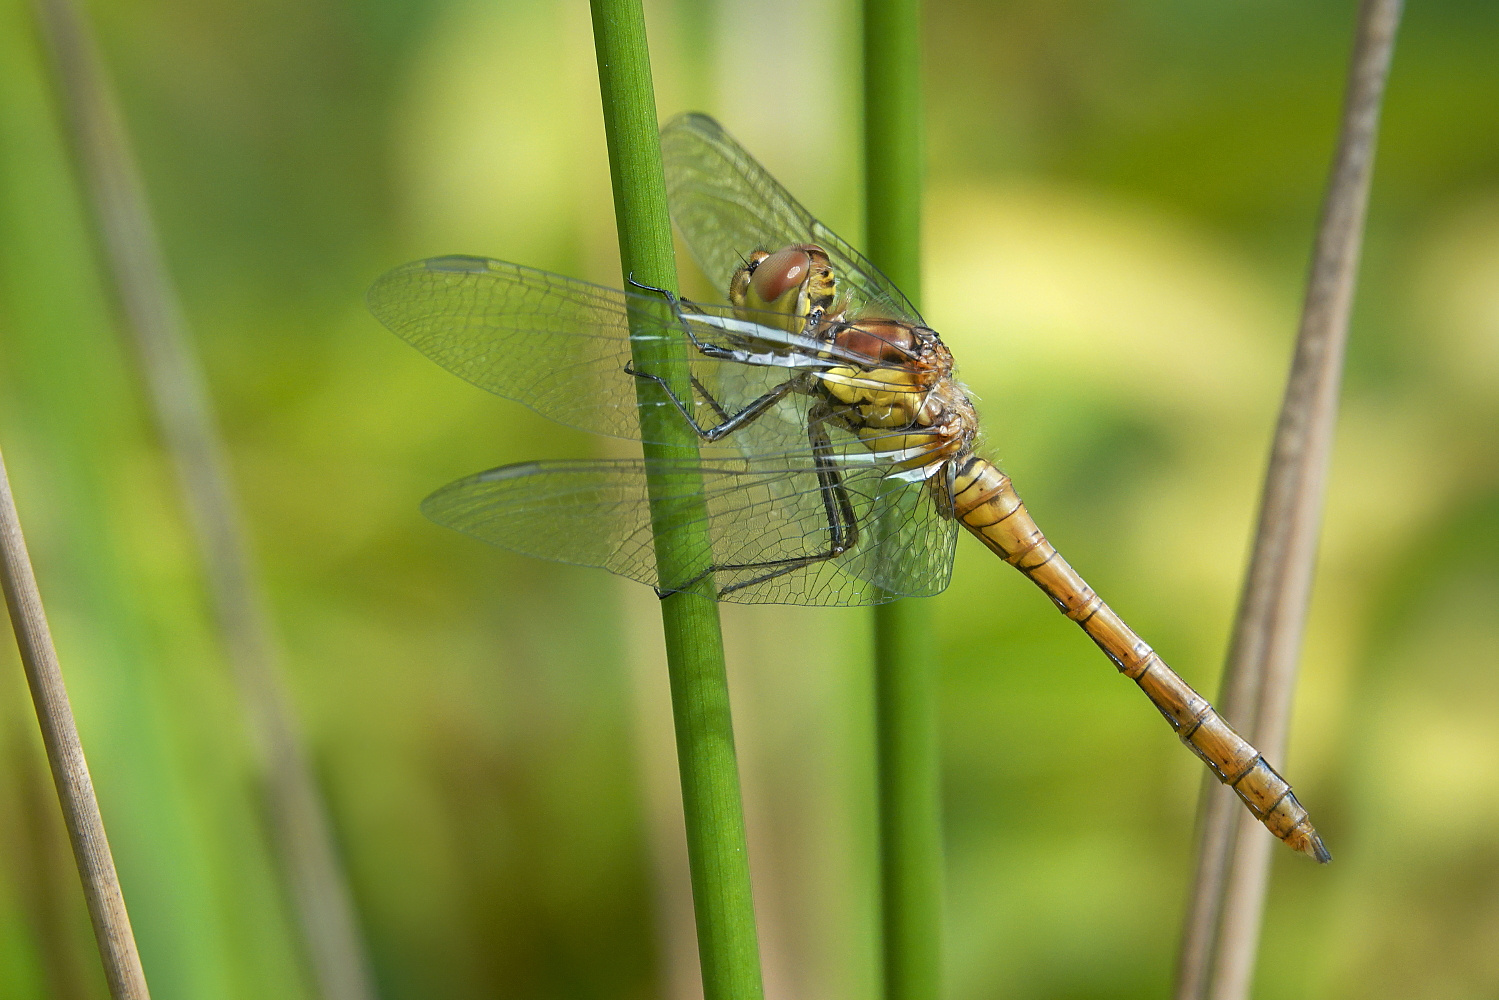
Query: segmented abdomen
[985,501]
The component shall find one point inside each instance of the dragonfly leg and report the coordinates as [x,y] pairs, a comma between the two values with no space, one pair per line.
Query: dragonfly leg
[707,397]
[845,533]
[843,526]
[679,309]
[728,422]
[665,293]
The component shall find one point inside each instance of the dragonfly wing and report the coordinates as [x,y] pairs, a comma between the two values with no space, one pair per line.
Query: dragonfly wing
[561,346]
[763,515]
[557,345]
[727,205]
[584,513]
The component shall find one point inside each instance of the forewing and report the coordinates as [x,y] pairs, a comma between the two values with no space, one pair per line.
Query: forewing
[762,514]
[561,346]
[727,205]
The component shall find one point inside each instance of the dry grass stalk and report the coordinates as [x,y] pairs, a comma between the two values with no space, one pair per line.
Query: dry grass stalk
[184,414]
[75,789]
[1221,937]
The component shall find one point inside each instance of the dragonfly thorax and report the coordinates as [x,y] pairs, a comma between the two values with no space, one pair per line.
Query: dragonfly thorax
[881,340]
[891,384]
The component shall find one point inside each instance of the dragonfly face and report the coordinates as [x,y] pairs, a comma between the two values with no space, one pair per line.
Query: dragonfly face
[837,447]
[795,281]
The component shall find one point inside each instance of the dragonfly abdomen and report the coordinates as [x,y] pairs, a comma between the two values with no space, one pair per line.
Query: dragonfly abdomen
[985,502]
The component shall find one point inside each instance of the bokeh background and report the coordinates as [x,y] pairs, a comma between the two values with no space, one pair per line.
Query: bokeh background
[1121,202]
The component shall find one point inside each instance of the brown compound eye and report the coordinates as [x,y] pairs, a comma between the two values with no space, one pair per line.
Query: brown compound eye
[780,272]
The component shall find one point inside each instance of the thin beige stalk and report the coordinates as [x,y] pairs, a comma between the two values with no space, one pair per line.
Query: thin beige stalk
[1221,937]
[184,414]
[75,789]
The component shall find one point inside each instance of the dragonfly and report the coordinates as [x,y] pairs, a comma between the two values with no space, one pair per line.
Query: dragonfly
[838,453]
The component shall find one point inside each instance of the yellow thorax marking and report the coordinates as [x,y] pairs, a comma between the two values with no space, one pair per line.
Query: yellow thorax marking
[886,397]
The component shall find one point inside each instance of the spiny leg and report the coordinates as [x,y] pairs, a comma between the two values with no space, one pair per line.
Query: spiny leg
[729,422]
[843,534]
[846,536]
[707,397]
[675,304]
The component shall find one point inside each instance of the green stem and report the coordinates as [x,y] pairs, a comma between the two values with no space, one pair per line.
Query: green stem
[716,851]
[905,677]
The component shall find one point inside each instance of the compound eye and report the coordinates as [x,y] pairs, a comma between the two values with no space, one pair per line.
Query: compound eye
[779,273]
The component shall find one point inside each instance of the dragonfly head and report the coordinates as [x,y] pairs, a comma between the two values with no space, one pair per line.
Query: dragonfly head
[796,282]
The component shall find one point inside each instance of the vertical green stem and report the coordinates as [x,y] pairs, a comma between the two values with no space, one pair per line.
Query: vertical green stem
[716,851]
[893,153]
[910,824]
[906,695]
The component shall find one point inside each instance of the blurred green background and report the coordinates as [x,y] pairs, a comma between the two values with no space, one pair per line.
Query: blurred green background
[1120,205]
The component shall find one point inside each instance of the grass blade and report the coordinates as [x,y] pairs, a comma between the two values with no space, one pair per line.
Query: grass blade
[905,671]
[1221,936]
[75,789]
[727,944]
[184,415]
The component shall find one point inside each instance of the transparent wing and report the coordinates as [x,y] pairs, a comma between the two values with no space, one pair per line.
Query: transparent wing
[727,205]
[763,515]
[561,346]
